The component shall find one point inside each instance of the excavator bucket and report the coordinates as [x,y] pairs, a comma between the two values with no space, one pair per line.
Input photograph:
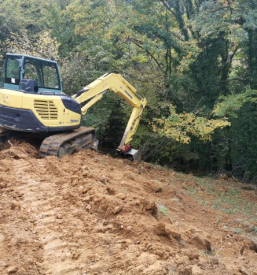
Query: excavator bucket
[133,155]
[95,145]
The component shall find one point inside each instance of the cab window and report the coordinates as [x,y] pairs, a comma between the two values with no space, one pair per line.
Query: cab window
[51,79]
[12,71]
[32,71]
[45,73]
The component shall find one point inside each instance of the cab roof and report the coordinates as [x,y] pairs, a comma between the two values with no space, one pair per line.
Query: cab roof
[32,57]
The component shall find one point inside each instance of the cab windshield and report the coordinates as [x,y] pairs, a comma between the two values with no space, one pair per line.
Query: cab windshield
[45,73]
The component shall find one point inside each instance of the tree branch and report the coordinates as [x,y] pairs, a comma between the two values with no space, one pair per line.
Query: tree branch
[168,8]
[177,36]
[232,55]
[138,43]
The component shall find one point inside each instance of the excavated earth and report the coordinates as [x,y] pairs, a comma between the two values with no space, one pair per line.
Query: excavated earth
[92,214]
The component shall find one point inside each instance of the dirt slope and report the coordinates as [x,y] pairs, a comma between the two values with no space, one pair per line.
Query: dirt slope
[92,214]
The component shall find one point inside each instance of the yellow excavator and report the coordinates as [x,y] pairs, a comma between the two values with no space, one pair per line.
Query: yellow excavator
[32,104]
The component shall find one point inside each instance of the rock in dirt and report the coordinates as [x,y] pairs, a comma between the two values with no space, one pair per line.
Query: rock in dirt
[182,270]
[12,270]
[196,270]
[244,271]
[162,229]
[199,239]
[246,225]
[201,243]
[192,253]
[3,185]
[253,246]
[117,209]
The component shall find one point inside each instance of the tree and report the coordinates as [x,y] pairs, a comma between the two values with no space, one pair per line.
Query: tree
[45,46]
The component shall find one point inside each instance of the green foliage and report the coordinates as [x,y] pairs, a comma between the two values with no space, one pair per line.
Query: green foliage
[243,143]
[107,116]
[77,71]
[229,105]
[241,110]
[20,15]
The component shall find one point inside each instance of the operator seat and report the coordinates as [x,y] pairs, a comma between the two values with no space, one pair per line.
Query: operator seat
[15,73]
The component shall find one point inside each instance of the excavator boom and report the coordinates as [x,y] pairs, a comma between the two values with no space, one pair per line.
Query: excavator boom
[115,83]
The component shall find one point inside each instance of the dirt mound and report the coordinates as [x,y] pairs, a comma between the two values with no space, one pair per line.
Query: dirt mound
[92,214]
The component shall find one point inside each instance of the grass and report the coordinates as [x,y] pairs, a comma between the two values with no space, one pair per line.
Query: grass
[225,196]
[228,199]
[237,230]
[163,210]
[175,199]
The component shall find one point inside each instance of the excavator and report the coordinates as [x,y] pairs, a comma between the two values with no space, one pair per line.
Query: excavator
[32,104]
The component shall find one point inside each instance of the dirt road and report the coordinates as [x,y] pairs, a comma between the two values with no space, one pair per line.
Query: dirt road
[91,214]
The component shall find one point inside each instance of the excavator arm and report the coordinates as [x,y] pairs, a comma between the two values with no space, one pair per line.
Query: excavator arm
[115,83]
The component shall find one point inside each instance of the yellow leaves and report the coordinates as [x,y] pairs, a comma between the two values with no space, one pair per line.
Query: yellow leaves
[181,127]
[44,47]
[226,16]
[141,58]
[189,55]
[192,52]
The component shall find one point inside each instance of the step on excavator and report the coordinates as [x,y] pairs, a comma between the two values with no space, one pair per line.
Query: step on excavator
[32,104]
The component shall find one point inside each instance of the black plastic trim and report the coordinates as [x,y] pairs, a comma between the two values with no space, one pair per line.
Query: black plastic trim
[26,121]
[79,93]
[71,104]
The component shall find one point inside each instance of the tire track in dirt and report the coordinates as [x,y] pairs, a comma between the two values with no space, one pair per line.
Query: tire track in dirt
[90,214]
[38,200]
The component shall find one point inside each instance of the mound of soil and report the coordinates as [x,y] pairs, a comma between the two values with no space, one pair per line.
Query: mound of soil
[92,214]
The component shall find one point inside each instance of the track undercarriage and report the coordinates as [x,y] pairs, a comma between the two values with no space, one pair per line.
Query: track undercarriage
[67,143]
[59,144]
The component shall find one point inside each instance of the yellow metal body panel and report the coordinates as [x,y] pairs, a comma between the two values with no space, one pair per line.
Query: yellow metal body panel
[10,98]
[49,110]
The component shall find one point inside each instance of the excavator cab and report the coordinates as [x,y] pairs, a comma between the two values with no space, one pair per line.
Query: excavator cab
[30,74]
[31,97]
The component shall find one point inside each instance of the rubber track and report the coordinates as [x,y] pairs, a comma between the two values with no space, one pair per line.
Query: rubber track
[52,144]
